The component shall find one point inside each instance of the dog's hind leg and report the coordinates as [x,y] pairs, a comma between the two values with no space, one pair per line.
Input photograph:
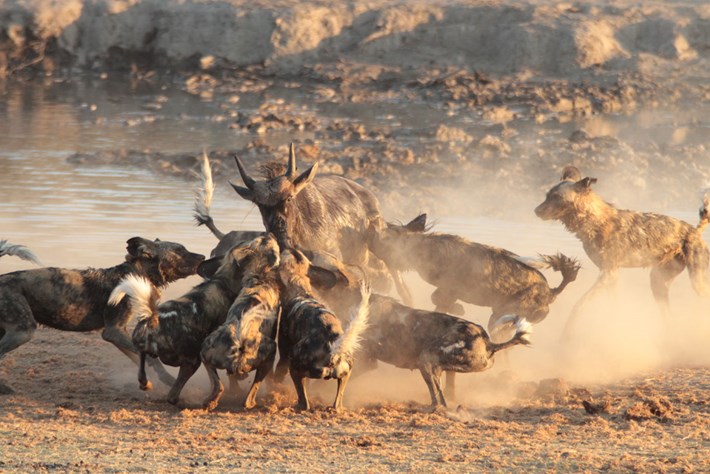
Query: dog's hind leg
[661,279]
[119,337]
[299,382]
[606,280]
[212,399]
[17,327]
[186,371]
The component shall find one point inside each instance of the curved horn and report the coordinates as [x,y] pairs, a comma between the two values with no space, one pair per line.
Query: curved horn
[291,170]
[248,180]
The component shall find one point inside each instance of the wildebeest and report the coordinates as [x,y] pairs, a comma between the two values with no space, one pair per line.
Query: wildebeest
[175,330]
[247,339]
[618,238]
[75,300]
[312,343]
[325,212]
[6,248]
[410,338]
[203,202]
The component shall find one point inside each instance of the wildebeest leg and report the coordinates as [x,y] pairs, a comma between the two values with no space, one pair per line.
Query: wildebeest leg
[261,373]
[212,399]
[186,371]
[299,382]
[661,279]
[432,377]
[605,280]
[445,302]
[338,404]
[143,381]
[13,338]
[118,336]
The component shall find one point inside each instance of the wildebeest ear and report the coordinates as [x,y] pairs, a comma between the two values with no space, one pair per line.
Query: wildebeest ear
[570,173]
[321,278]
[208,268]
[246,193]
[418,224]
[585,184]
[139,247]
[305,178]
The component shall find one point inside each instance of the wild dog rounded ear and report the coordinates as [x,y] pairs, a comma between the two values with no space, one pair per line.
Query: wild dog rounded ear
[418,224]
[208,268]
[585,184]
[139,247]
[321,278]
[571,173]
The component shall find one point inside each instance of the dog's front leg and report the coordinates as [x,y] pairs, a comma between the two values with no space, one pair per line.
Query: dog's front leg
[142,377]
[186,371]
[299,382]
[212,400]
[119,338]
[338,404]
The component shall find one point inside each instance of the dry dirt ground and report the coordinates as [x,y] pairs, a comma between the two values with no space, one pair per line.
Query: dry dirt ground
[78,408]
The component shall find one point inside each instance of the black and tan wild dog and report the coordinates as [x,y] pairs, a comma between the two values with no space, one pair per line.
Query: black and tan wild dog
[175,330]
[76,300]
[618,238]
[312,343]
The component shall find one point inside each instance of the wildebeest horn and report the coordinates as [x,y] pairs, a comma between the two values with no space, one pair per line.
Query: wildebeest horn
[291,170]
[248,180]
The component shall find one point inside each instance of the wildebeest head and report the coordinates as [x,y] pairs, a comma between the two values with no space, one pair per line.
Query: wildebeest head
[569,196]
[387,243]
[275,196]
[161,262]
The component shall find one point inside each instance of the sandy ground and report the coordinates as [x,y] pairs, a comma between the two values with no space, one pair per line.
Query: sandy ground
[496,92]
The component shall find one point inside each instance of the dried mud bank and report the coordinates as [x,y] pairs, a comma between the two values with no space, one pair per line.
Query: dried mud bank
[492,96]
[78,409]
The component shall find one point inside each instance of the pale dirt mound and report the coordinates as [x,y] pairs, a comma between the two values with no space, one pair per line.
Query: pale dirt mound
[581,39]
[78,408]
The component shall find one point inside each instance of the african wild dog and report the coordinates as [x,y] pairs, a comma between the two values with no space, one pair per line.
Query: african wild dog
[324,212]
[312,343]
[75,300]
[247,339]
[175,330]
[203,202]
[471,272]
[618,238]
[411,338]
[6,248]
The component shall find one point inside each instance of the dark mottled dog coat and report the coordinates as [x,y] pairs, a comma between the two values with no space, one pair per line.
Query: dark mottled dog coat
[618,238]
[76,300]
[247,339]
[416,339]
[175,330]
[312,343]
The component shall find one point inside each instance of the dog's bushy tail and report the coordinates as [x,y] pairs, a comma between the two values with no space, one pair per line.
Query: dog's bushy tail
[348,343]
[523,330]
[568,267]
[144,297]
[704,211]
[6,248]
[203,199]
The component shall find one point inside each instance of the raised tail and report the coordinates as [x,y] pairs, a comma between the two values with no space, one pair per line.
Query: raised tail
[144,297]
[345,347]
[704,210]
[6,248]
[569,267]
[523,330]
[203,199]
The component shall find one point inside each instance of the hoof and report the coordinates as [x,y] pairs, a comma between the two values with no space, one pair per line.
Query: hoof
[148,385]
